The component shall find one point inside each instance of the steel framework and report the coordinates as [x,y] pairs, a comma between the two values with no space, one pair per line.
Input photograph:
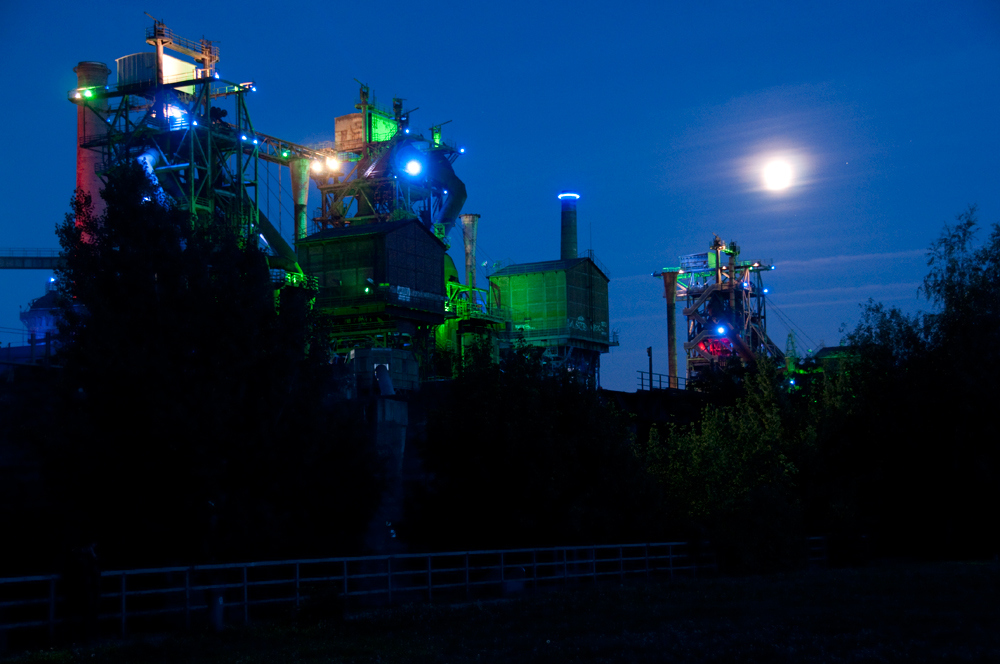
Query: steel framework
[174,125]
[368,182]
[725,307]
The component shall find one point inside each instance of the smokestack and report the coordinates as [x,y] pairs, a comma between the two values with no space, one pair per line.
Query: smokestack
[90,125]
[299,167]
[567,247]
[470,223]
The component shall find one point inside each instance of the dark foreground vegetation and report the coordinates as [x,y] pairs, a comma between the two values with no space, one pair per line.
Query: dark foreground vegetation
[898,613]
[194,419]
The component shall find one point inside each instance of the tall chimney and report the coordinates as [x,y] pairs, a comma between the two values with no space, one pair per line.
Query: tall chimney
[470,223]
[567,247]
[90,125]
[299,168]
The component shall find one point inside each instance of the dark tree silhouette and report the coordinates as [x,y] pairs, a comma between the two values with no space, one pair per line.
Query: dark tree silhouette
[194,424]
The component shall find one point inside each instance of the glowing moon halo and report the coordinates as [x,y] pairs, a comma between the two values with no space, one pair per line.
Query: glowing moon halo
[777,176]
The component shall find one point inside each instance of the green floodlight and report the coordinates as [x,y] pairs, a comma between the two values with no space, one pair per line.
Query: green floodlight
[88,93]
[284,154]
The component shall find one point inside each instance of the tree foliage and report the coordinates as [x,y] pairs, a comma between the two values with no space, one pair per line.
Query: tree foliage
[195,426]
[894,448]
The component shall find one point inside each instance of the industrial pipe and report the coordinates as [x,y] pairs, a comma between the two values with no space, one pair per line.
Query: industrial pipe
[436,168]
[670,292]
[470,225]
[299,168]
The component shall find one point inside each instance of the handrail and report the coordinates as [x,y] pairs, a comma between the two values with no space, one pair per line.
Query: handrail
[236,587]
[658,381]
[30,253]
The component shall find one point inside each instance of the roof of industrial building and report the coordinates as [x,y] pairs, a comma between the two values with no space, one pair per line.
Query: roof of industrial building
[372,228]
[835,352]
[545,266]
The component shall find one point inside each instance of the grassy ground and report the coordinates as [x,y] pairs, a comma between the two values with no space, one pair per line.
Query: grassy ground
[942,612]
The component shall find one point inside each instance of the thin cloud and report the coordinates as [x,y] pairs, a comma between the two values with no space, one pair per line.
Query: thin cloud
[844,258]
[862,291]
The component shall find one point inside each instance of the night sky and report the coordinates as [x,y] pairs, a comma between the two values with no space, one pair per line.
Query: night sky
[661,116]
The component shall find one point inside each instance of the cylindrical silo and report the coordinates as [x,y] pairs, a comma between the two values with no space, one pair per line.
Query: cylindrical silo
[470,224]
[299,167]
[90,127]
[567,244]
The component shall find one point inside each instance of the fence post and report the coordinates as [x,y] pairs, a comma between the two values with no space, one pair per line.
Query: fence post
[467,595]
[246,606]
[670,557]
[388,575]
[52,609]
[187,599]
[565,569]
[501,570]
[430,586]
[345,585]
[646,550]
[534,569]
[123,605]
[621,566]
[296,586]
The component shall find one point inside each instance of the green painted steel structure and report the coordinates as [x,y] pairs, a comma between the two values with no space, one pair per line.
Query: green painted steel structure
[561,306]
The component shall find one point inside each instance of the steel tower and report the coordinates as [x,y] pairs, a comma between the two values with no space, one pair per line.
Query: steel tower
[725,308]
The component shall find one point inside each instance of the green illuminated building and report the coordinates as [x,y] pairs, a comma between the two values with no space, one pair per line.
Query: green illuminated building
[561,305]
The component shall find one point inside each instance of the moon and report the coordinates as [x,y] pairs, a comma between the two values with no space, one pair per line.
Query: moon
[777,176]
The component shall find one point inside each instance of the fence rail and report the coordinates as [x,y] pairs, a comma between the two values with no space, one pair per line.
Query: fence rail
[222,593]
[657,381]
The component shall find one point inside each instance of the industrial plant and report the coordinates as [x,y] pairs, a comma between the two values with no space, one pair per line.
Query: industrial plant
[725,310]
[373,253]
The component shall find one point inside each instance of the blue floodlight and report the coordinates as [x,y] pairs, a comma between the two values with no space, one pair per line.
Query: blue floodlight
[254,88]
[406,131]
[413,167]
[195,122]
[255,141]
[461,149]
[569,194]
[773,266]
[217,74]
[792,381]
[243,137]
[765,290]
[445,192]
[721,330]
